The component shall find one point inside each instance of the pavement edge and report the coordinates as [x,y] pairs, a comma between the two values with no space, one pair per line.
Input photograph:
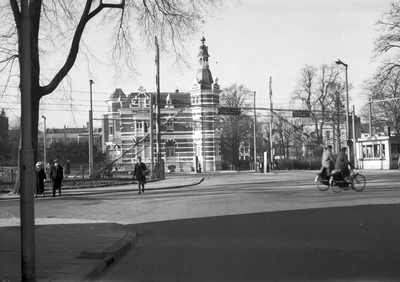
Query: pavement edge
[114,252]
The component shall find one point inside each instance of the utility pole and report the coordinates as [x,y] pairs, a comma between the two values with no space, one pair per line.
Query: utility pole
[158,118]
[204,140]
[44,142]
[151,136]
[91,158]
[353,117]
[270,124]
[255,139]
[339,62]
[27,162]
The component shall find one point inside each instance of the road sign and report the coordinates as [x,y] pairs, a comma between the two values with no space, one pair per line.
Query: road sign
[349,142]
[300,113]
[229,111]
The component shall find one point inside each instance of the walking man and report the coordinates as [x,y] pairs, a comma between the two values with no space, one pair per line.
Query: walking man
[140,174]
[56,175]
[40,177]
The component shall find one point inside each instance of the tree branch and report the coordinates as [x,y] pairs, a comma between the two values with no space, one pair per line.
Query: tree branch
[85,18]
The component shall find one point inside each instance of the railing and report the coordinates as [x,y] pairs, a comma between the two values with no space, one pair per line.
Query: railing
[8,174]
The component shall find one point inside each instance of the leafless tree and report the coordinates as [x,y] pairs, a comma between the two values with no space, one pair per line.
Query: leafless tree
[384,113]
[58,30]
[237,128]
[388,42]
[318,90]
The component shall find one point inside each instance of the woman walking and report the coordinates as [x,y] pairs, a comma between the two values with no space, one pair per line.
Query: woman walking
[140,174]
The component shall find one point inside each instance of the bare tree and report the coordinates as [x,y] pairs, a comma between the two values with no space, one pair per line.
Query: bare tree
[237,128]
[318,90]
[59,27]
[287,135]
[389,41]
[384,113]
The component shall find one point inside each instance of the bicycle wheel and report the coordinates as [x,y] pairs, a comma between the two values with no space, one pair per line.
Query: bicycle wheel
[358,182]
[336,188]
[321,184]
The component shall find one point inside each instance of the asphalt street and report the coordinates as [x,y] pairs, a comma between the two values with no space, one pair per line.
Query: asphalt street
[279,229]
[332,244]
[243,227]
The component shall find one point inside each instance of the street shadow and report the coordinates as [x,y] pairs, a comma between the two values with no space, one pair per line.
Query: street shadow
[357,243]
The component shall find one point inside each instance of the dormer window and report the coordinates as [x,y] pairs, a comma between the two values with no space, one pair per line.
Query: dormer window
[142,102]
[168,102]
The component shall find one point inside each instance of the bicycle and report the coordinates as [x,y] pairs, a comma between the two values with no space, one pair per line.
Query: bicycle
[354,181]
[322,180]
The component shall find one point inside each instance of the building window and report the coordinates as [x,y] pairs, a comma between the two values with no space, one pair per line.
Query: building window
[139,127]
[142,102]
[170,126]
[374,151]
[170,154]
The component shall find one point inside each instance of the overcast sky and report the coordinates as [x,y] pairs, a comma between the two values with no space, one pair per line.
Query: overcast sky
[249,43]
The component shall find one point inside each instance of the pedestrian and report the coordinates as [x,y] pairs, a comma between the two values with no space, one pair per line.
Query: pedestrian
[139,172]
[40,177]
[56,175]
[68,168]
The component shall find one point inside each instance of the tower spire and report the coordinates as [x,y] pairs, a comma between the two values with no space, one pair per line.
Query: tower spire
[204,76]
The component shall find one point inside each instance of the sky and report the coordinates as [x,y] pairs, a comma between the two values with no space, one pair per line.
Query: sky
[248,43]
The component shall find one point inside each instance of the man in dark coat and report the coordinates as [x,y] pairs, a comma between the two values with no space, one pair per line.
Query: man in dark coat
[342,162]
[140,174]
[40,177]
[56,175]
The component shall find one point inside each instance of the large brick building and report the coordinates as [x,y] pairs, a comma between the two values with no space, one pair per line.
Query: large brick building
[189,136]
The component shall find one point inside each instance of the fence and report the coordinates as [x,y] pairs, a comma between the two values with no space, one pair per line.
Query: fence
[8,174]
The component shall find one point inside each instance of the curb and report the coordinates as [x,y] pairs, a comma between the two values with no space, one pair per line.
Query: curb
[178,186]
[113,253]
[16,197]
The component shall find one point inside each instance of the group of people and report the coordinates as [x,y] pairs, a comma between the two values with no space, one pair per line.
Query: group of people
[56,175]
[329,162]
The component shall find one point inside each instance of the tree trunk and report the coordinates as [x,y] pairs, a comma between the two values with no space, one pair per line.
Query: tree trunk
[35,120]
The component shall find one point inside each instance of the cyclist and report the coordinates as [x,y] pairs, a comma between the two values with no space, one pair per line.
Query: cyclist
[327,162]
[342,162]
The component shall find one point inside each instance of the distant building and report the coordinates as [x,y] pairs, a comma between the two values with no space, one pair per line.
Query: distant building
[189,137]
[3,127]
[244,151]
[67,135]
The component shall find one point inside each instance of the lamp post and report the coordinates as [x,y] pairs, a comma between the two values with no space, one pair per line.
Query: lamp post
[44,142]
[91,133]
[339,62]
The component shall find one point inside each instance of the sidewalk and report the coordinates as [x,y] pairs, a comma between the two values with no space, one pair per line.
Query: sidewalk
[71,250]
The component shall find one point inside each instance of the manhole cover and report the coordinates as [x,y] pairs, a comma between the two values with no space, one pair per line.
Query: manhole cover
[88,255]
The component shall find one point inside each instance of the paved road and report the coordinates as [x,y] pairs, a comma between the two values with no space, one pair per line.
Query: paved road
[279,228]
[333,244]
[249,227]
